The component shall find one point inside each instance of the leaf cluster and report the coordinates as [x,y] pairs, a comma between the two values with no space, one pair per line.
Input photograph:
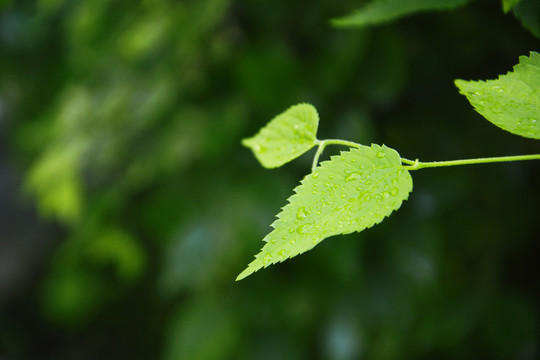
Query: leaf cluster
[360,187]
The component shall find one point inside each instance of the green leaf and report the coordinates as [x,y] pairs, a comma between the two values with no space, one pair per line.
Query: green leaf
[348,193]
[286,137]
[511,102]
[509,4]
[381,11]
[528,12]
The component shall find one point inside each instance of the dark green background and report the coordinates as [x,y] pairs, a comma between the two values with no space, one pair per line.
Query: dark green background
[128,205]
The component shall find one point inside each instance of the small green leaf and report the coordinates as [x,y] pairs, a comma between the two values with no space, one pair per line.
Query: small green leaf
[511,102]
[348,193]
[286,137]
[509,4]
[381,11]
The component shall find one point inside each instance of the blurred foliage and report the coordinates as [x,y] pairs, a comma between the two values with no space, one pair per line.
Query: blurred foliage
[381,11]
[123,122]
[528,11]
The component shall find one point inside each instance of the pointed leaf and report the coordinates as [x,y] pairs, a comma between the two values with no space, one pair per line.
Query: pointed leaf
[511,102]
[349,193]
[381,11]
[286,137]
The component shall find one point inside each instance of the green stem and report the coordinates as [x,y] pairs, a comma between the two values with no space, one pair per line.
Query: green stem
[323,143]
[408,162]
[340,142]
[416,165]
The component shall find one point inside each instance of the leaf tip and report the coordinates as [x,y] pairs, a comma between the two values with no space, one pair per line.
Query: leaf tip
[244,274]
[463,86]
[337,22]
[246,142]
[458,82]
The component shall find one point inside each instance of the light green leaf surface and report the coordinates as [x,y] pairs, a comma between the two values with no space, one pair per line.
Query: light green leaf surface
[381,11]
[509,4]
[350,192]
[286,137]
[511,102]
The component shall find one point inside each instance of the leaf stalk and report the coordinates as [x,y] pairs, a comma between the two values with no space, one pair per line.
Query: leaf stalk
[416,165]
[323,143]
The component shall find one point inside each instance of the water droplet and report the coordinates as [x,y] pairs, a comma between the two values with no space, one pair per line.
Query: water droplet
[282,253]
[331,176]
[352,176]
[380,154]
[301,213]
[318,213]
[343,196]
[284,237]
[302,229]
[293,240]
[532,120]
[260,149]
[267,259]
[394,191]
[315,175]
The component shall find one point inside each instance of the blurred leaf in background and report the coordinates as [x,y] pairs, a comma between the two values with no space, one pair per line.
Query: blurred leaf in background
[382,11]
